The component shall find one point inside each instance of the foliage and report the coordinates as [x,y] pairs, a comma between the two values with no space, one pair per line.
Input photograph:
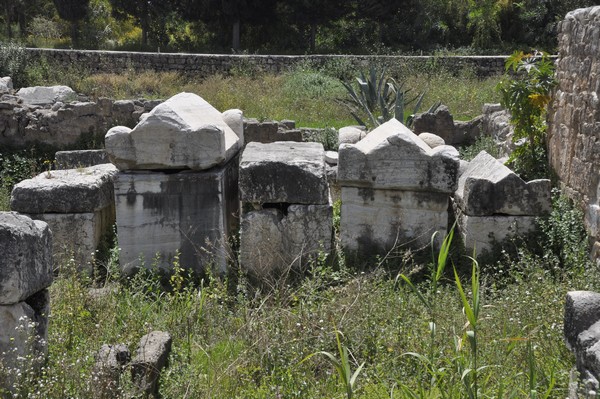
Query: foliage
[13,61]
[380,98]
[526,94]
[483,143]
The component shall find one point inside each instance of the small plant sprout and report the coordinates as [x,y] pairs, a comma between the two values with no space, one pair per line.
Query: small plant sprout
[341,364]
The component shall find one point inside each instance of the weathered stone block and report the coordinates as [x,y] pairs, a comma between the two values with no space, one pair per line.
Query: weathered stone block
[80,158]
[393,157]
[278,239]
[65,191]
[283,172]
[149,360]
[106,374]
[482,233]
[582,310]
[42,95]
[374,221]
[184,132]
[487,187]
[269,132]
[26,261]
[23,336]
[190,212]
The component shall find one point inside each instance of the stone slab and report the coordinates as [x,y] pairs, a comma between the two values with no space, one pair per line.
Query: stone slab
[279,239]
[43,95]
[283,172]
[193,212]
[65,191]
[184,132]
[393,157]
[481,234]
[269,132]
[488,187]
[149,360]
[374,221]
[26,261]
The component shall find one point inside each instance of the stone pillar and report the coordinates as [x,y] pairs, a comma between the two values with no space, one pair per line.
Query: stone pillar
[286,210]
[77,204]
[395,191]
[493,204]
[176,192]
[25,275]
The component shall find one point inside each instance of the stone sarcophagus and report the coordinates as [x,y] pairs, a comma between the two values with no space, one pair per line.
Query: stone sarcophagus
[395,190]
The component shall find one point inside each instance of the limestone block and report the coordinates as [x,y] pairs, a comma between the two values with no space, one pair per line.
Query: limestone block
[23,335]
[487,187]
[482,233]
[393,157]
[26,261]
[78,235]
[274,240]
[110,361]
[65,191]
[193,212]
[269,132]
[43,95]
[149,360]
[80,158]
[184,132]
[582,311]
[283,172]
[375,221]
[440,122]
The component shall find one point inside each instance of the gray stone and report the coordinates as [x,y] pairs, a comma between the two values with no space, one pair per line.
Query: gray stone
[487,187]
[393,157]
[331,157]
[184,132]
[43,95]
[582,311]
[65,191]
[432,140]
[275,241]
[467,132]
[149,360]
[234,118]
[106,374]
[23,336]
[269,132]
[26,261]
[283,172]
[351,134]
[6,85]
[440,122]
[190,212]
[80,158]
[483,234]
[374,221]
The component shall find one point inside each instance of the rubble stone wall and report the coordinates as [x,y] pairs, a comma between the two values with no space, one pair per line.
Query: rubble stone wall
[208,64]
[574,115]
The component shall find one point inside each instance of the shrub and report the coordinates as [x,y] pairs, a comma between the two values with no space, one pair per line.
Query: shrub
[13,62]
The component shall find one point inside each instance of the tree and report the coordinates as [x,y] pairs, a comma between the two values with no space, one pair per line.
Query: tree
[73,11]
[149,14]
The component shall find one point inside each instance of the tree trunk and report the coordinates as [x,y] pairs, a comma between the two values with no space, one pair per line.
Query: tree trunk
[75,34]
[235,38]
[313,36]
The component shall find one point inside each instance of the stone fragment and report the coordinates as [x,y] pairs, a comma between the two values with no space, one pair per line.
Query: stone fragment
[6,85]
[487,187]
[440,122]
[234,118]
[149,360]
[351,134]
[23,336]
[393,157]
[65,191]
[110,361]
[190,212]
[278,240]
[432,140]
[26,261]
[44,95]
[582,311]
[331,157]
[283,172]
[184,132]
[375,221]
[80,158]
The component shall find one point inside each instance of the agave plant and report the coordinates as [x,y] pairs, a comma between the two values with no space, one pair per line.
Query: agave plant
[381,98]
